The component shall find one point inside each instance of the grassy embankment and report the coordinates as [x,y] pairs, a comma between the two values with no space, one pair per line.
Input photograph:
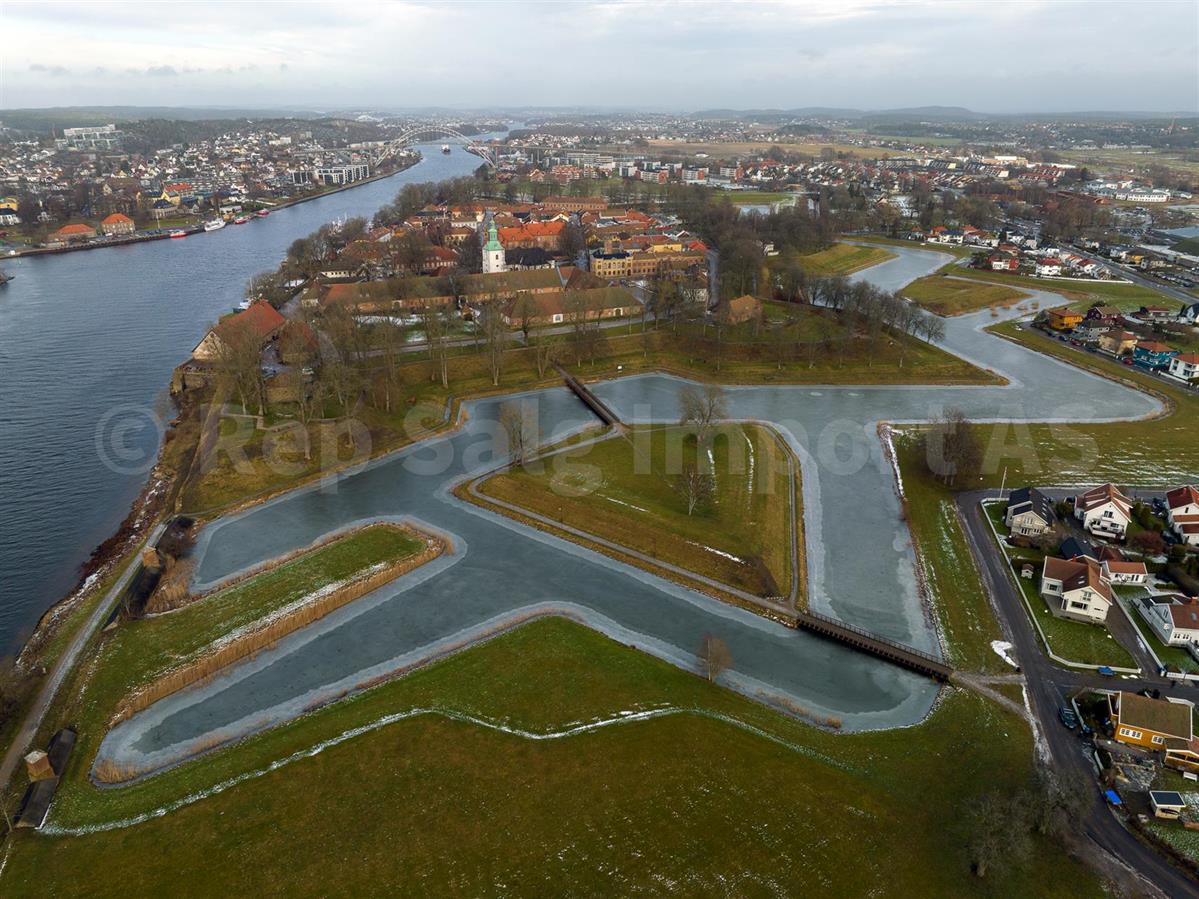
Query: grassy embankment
[844,259]
[1077,294]
[945,295]
[627,491]
[678,801]
[249,464]
[120,661]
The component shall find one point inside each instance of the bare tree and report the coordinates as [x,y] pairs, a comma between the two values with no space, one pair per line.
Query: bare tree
[520,427]
[389,343]
[1000,834]
[525,311]
[239,351]
[951,447]
[715,657]
[696,486]
[495,336]
[435,321]
[546,353]
[701,409]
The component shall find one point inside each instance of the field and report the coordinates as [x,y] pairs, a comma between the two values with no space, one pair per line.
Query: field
[844,259]
[947,295]
[137,652]
[1079,294]
[628,491]
[723,798]
[1164,451]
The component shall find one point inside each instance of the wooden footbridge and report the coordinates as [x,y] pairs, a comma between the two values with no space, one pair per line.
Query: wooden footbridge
[830,628]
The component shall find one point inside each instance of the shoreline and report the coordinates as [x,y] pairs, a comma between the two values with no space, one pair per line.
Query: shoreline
[165,235]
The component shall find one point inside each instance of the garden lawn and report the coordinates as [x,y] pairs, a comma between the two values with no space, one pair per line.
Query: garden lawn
[1074,641]
[691,804]
[628,491]
[137,652]
[844,259]
[947,295]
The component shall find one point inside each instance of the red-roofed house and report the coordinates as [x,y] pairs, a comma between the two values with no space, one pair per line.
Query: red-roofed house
[117,224]
[1104,511]
[1182,505]
[1075,588]
[1186,366]
[261,321]
[70,233]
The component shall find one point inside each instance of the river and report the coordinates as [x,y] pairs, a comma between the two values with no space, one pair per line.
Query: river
[88,341]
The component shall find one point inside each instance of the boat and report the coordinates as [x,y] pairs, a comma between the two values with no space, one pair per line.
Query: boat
[175,234]
[445,148]
[4,279]
[214,225]
[241,220]
[262,213]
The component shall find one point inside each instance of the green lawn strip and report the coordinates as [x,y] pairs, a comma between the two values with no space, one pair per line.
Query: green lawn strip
[628,492]
[945,295]
[431,802]
[957,594]
[1176,836]
[136,652]
[1082,294]
[1174,657]
[844,259]
[1161,451]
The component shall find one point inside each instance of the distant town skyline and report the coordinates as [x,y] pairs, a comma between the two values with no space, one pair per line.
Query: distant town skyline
[866,54]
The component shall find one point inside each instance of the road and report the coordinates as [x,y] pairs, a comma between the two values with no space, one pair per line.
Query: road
[1048,688]
[49,688]
[1136,278]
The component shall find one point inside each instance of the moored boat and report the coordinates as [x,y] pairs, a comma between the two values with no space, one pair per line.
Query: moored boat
[240,220]
[178,233]
[214,225]
[262,213]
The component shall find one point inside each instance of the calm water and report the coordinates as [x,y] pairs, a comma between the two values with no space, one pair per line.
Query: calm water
[88,341]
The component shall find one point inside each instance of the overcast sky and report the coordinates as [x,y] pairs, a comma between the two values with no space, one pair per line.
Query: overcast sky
[873,54]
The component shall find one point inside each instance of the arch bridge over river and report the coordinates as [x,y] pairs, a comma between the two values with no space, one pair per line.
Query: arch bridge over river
[861,563]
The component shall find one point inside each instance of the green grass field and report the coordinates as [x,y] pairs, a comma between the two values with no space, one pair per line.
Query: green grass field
[628,492]
[844,259]
[691,804]
[139,651]
[1075,641]
[1078,294]
[1164,451]
[953,296]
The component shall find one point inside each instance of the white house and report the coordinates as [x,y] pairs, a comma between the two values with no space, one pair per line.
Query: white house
[1185,367]
[1075,588]
[1175,619]
[1104,511]
[1116,571]
[1049,267]
[1182,512]
[1190,313]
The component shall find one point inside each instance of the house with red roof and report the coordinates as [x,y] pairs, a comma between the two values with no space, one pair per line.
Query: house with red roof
[117,224]
[1182,512]
[73,233]
[1104,511]
[260,323]
[1076,589]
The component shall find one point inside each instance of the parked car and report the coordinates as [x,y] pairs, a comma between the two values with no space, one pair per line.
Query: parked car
[1127,360]
[1105,671]
[1068,717]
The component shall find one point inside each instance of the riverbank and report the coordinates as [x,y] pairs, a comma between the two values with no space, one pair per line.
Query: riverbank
[165,233]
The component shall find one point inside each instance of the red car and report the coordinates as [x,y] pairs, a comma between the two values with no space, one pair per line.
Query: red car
[1127,360]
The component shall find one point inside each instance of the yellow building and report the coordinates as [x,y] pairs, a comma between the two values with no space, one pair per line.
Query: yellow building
[1063,319]
[9,205]
[1151,723]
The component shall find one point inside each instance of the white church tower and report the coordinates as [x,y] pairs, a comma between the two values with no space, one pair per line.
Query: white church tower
[493,251]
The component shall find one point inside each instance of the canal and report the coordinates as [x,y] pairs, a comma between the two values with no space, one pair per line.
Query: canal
[88,341]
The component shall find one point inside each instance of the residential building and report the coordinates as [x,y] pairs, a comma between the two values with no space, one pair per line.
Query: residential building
[740,309]
[93,137]
[1063,319]
[1075,589]
[1117,342]
[1182,512]
[1049,268]
[1153,355]
[1104,511]
[1185,367]
[1175,619]
[1029,513]
[1150,723]
[117,224]
[1120,571]
[73,233]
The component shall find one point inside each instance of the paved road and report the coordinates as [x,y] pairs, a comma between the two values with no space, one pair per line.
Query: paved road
[1136,277]
[33,718]
[1048,689]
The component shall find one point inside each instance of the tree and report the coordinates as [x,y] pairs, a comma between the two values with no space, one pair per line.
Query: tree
[525,310]
[701,409]
[952,450]
[495,336]
[546,354]
[999,832]
[388,337]
[434,320]
[1149,543]
[714,656]
[520,428]
[696,486]
[1059,800]
[239,350]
